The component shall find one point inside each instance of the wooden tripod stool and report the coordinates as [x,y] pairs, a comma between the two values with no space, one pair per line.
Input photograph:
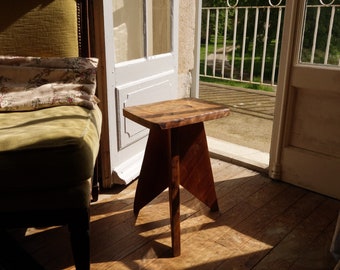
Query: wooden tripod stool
[176,154]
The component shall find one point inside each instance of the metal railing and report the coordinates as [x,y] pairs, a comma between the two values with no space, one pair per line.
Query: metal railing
[321,38]
[242,43]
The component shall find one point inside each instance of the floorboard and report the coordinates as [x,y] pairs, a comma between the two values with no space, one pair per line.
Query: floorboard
[261,224]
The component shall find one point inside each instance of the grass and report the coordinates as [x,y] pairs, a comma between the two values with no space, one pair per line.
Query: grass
[245,85]
[247,66]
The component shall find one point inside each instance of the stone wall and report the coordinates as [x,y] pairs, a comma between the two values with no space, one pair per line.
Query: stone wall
[186,60]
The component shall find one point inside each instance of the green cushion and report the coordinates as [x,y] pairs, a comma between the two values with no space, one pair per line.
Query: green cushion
[39,28]
[77,196]
[52,147]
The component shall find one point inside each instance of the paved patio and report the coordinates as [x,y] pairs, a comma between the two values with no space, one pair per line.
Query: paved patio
[245,135]
[250,102]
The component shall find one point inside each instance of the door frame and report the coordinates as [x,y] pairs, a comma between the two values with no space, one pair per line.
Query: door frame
[282,93]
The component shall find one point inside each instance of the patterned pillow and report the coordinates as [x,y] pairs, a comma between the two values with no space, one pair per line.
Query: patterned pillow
[30,83]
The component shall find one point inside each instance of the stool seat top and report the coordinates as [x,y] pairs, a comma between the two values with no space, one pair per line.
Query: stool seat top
[175,113]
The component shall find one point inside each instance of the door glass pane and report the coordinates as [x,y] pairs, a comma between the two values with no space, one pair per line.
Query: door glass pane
[321,33]
[159,27]
[128,29]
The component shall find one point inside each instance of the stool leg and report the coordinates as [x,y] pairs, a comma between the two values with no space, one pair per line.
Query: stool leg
[174,194]
[195,166]
[173,158]
[153,178]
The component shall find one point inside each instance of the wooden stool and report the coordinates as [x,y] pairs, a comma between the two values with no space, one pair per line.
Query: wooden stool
[176,154]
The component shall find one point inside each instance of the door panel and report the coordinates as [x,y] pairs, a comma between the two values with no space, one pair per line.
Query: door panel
[143,69]
[149,76]
[137,41]
[315,126]
[311,170]
[147,72]
[131,95]
[306,135]
[315,77]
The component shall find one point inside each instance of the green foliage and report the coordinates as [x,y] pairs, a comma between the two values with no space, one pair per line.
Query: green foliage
[322,36]
[241,14]
[245,85]
[217,33]
[250,42]
[223,3]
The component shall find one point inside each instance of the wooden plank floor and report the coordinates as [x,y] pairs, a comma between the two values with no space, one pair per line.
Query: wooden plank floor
[262,224]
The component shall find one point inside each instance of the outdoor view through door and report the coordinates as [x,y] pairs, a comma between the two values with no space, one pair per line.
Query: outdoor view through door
[240,59]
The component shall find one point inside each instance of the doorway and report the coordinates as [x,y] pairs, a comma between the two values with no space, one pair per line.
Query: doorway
[239,58]
[231,62]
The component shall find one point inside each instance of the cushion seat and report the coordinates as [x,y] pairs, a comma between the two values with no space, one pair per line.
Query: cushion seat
[61,142]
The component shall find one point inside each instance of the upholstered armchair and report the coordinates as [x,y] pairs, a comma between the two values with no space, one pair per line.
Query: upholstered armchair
[49,119]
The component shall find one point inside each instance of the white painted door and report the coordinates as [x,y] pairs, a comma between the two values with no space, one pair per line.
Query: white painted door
[141,49]
[306,134]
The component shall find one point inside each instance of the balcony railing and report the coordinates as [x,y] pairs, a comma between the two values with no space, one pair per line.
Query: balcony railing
[242,43]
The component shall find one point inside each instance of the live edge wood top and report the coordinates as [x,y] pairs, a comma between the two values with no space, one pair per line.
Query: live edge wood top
[175,113]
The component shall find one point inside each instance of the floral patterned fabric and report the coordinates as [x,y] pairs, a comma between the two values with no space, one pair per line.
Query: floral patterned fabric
[30,83]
